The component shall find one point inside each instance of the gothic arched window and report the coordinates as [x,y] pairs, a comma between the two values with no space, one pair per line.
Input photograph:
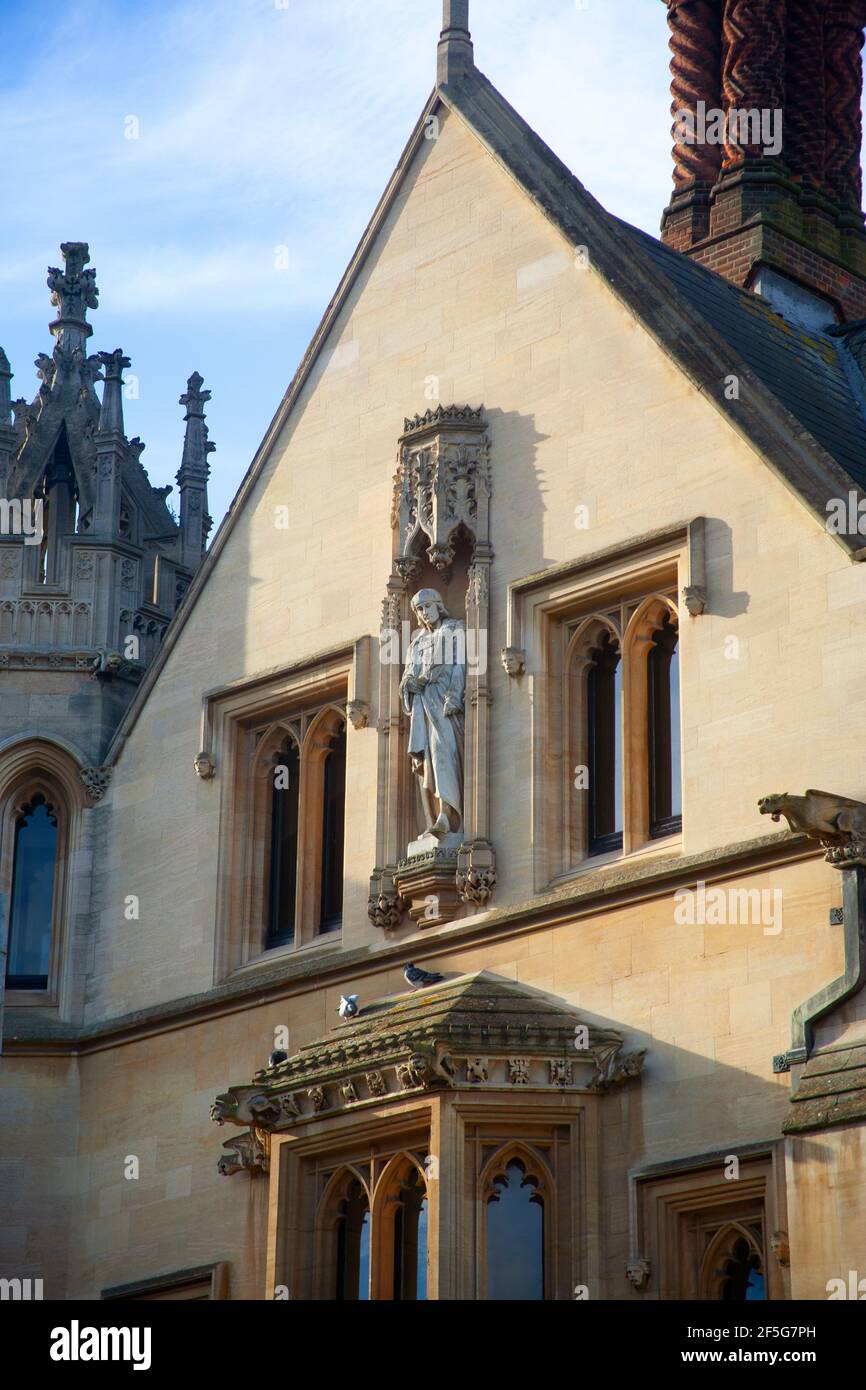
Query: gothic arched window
[410,1240]
[285,802]
[604,744]
[34,880]
[353,1246]
[515,1235]
[663,705]
[333,824]
[733,1267]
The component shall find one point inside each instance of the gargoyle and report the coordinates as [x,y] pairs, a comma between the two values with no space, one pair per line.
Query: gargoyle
[835,821]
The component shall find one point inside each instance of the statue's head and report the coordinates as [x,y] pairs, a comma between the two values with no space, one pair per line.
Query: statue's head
[774,805]
[428,607]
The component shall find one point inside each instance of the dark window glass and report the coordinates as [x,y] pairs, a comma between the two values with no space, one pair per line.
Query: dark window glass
[33,871]
[744,1278]
[515,1238]
[353,1246]
[333,825]
[410,1242]
[604,715]
[663,677]
[284,847]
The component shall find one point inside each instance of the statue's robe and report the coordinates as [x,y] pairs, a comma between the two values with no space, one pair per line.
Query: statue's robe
[434,735]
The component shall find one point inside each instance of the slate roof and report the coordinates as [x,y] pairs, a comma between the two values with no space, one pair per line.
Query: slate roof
[805,370]
[813,379]
[472,1009]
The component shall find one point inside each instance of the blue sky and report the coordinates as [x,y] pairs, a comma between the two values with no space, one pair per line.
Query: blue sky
[264,124]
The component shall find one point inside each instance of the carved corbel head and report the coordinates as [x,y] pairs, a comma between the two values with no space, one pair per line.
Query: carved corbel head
[205,766]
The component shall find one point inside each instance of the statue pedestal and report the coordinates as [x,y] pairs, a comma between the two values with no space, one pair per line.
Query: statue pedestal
[427,879]
[430,844]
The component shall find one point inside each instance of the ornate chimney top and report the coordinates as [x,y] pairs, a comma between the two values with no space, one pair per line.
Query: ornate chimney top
[73,291]
[455,43]
[767,184]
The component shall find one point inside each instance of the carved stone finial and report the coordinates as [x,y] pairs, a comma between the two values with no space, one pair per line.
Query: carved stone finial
[195,398]
[836,822]
[73,292]
[111,415]
[456,56]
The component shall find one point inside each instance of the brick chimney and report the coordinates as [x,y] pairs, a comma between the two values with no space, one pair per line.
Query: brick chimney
[768,131]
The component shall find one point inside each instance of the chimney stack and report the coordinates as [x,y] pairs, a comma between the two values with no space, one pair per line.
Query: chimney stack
[768,132]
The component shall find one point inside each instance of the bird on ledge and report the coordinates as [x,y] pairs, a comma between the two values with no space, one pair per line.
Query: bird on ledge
[419,979]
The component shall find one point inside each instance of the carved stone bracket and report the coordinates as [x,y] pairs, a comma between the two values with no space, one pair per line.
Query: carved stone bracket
[638,1272]
[476,872]
[246,1153]
[96,780]
[385,906]
[205,766]
[513,661]
[428,883]
[695,598]
[359,713]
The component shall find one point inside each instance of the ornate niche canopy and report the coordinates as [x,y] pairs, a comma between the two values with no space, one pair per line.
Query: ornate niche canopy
[442,484]
[474,1033]
[440,519]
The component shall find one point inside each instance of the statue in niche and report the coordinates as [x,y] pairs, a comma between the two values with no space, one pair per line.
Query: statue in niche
[433,689]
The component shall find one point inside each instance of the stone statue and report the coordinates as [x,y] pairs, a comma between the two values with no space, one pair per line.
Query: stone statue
[433,688]
[837,822]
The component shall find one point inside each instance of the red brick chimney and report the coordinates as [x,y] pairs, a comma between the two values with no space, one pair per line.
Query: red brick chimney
[768,131]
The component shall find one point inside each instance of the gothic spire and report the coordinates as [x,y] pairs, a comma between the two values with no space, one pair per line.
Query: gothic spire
[455,43]
[111,414]
[73,292]
[194,472]
[110,447]
[8,437]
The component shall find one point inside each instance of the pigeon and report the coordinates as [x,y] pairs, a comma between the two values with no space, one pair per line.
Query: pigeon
[348,1005]
[417,978]
[277,1057]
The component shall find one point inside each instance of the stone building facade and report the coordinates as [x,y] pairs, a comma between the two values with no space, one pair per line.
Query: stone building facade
[458,914]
